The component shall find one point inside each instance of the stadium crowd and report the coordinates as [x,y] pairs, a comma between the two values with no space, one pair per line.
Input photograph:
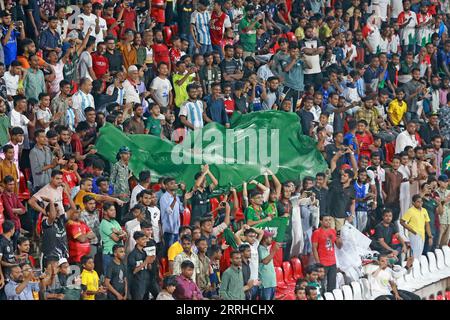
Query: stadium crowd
[368,79]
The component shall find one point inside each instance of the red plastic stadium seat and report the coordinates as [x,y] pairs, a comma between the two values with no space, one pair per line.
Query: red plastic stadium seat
[24,193]
[288,274]
[167,31]
[278,257]
[447,295]
[280,279]
[214,205]
[186,217]
[289,296]
[174,28]
[390,151]
[440,297]
[297,268]
[164,265]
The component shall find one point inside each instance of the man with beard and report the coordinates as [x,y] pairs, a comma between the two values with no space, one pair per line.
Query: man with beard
[433,95]
[430,129]
[21,285]
[281,55]
[342,201]
[192,112]
[100,63]
[114,56]
[413,90]
[312,48]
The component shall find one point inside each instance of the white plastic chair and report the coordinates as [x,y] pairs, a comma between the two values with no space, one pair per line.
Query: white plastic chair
[357,290]
[440,259]
[446,251]
[414,279]
[328,296]
[338,295]
[425,269]
[348,293]
[366,291]
[439,274]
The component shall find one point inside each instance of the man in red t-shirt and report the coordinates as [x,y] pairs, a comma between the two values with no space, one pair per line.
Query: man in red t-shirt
[158,11]
[111,22]
[364,139]
[129,17]
[79,236]
[100,64]
[217,25]
[323,241]
[160,50]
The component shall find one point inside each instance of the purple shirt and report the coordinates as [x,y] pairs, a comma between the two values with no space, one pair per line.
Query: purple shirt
[187,289]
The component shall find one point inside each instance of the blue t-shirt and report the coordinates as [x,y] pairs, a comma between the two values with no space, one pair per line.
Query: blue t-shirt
[443,57]
[10,49]
[350,140]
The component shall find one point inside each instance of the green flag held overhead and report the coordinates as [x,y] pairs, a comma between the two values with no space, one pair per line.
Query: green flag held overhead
[277,226]
[254,142]
[228,235]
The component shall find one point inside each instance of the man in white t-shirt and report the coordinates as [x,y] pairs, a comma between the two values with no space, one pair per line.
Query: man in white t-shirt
[252,237]
[11,78]
[161,88]
[21,121]
[382,281]
[312,48]
[97,24]
[130,91]
[381,8]
[98,8]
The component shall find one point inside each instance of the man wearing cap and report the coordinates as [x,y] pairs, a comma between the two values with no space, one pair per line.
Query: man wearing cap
[407,137]
[120,173]
[444,218]
[266,272]
[131,94]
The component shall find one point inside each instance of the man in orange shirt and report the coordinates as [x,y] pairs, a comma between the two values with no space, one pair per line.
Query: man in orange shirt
[86,189]
[29,48]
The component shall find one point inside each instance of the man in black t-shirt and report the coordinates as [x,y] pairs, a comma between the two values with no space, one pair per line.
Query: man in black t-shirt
[116,276]
[341,200]
[54,238]
[7,257]
[201,194]
[384,234]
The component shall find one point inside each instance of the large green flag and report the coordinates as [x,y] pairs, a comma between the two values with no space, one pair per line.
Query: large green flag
[229,238]
[277,226]
[253,143]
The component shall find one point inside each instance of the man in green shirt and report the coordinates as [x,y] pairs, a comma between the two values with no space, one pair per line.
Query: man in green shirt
[153,123]
[5,124]
[232,286]
[34,80]
[266,268]
[110,233]
[247,30]
[254,213]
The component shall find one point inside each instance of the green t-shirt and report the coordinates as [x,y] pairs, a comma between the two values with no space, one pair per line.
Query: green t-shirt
[270,208]
[106,227]
[266,271]
[316,285]
[5,124]
[154,126]
[248,39]
[254,215]
[181,94]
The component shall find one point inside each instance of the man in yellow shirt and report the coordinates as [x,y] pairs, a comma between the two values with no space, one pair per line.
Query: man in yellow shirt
[90,282]
[86,189]
[397,108]
[417,221]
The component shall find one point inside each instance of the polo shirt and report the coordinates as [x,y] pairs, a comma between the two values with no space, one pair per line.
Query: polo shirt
[416,219]
[10,49]
[106,227]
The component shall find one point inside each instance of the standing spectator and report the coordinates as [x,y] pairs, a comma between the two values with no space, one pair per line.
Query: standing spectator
[8,167]
[444,217]
[232,286]
[85,65]
[10,36]
[83,99]
[139,268]
[186,254]
[14,209]
[407,138]
[417,221]
[323,240]
[120,173]
[116,280]
[168,288]
[247,29]
[100,64]
[34,81]
[50,39]
[79,236]
[161,88]
[266,273]
[187,289]
[293,74]
[170,212]
[219,23]
[110,233]
[200,27]
[90,217]
[42,161]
